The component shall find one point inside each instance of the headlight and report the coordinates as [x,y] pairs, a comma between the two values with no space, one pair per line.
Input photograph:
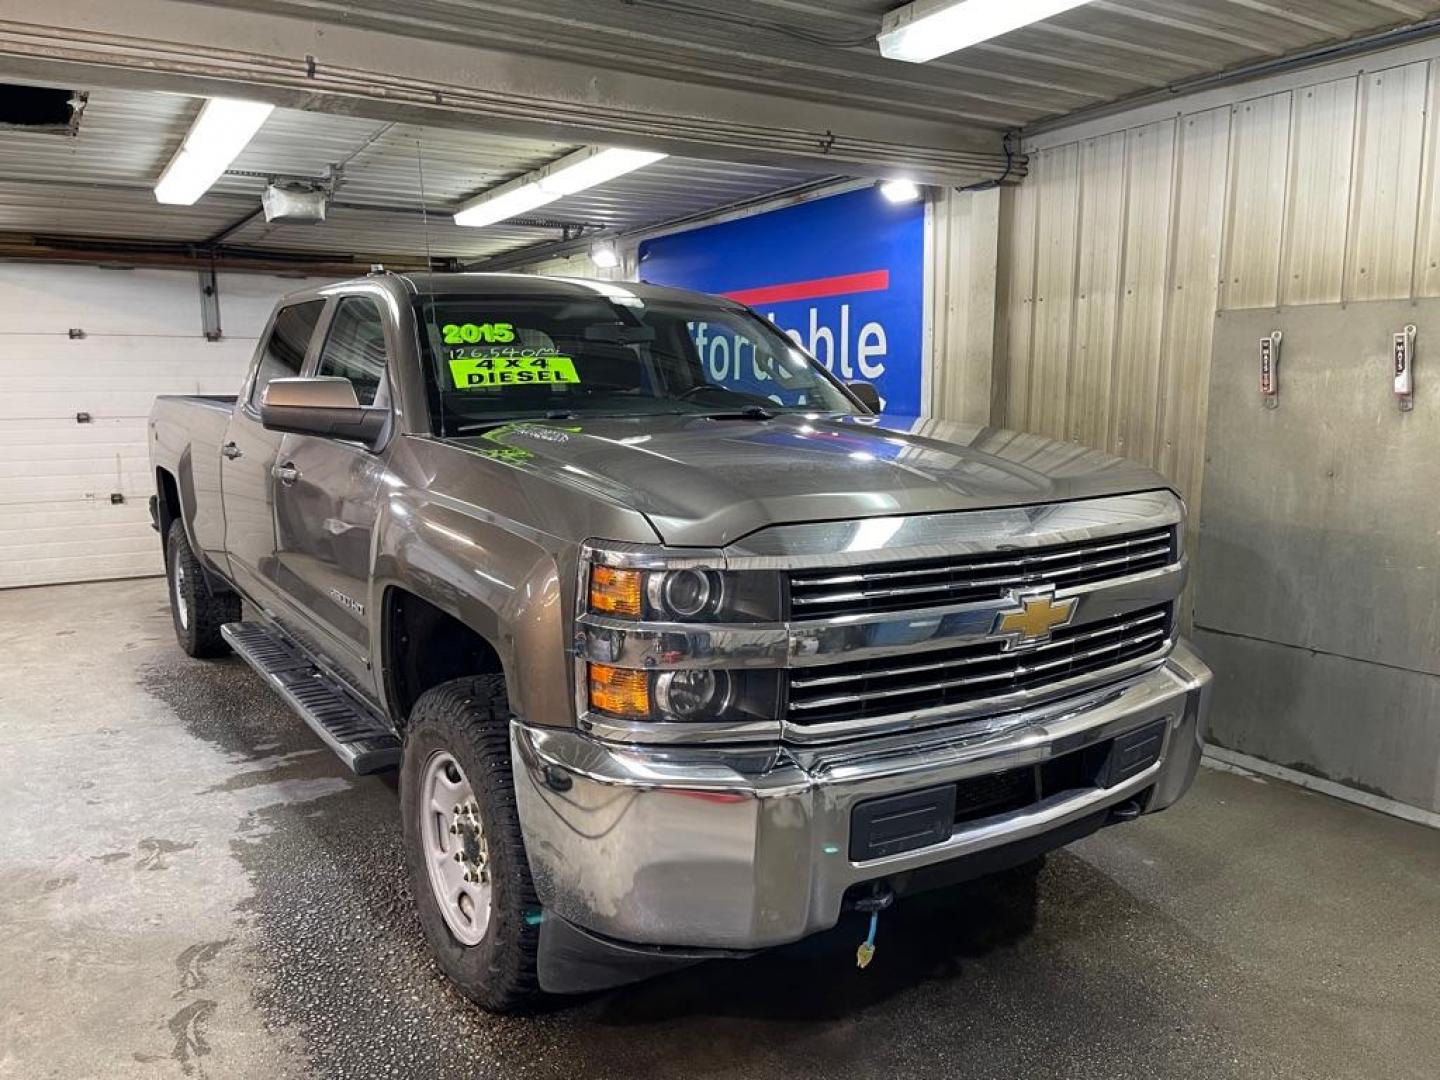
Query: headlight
[684,594]
[645,614]
[684,695]
[692,694]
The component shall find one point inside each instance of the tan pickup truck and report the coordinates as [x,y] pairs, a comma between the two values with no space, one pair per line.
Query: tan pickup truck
[673,667]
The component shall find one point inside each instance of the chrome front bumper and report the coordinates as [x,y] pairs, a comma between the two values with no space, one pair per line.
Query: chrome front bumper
[743,849]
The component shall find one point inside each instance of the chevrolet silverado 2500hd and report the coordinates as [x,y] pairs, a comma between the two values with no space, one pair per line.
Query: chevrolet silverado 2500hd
[679,655]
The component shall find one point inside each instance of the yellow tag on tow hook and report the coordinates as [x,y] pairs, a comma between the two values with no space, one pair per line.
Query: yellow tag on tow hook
[866,952]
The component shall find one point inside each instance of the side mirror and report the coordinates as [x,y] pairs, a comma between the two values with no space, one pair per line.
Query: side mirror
[866,394]
[323,405]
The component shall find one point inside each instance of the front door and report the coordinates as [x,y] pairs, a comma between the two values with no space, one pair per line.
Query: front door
[325,507]
[248,452]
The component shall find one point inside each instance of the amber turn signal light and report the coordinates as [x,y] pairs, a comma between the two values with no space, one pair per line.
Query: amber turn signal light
[620,691]
[615,592]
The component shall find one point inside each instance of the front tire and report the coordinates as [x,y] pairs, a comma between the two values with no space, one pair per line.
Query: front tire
[463,845]
[196,612]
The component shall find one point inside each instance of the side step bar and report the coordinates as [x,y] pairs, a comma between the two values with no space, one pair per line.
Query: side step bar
[347,727]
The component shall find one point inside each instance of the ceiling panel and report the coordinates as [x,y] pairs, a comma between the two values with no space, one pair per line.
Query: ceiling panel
[382,162]
[826,51]
[52,209]
[98,183]
[124,135]
[378,233]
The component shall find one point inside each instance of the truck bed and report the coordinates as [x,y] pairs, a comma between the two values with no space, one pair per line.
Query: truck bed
[186,431]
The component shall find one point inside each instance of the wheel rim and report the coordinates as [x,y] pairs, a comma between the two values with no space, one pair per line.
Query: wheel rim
[456,854]
[182,606]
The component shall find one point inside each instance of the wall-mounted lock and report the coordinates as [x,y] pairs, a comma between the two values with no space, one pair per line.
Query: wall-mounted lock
[1402,355]
[1270,370]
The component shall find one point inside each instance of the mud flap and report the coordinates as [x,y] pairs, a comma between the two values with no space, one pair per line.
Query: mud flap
[575,961]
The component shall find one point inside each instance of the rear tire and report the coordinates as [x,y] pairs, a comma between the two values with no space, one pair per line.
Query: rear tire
[197,612]
[457,797]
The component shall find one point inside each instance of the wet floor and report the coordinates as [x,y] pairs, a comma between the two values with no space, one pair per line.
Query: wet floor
[190,885]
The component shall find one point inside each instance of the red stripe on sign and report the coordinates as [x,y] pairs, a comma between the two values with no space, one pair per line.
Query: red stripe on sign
[868,281]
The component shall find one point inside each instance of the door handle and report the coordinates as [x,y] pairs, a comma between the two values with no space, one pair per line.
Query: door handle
[287,474]
[231,451]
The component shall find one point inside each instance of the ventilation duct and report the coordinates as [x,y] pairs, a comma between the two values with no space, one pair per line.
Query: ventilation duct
[40,109]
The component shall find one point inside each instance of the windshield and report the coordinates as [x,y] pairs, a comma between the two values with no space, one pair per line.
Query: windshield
[490,359]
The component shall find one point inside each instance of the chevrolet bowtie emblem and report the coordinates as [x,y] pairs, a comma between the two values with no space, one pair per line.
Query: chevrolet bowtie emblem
[1037,615]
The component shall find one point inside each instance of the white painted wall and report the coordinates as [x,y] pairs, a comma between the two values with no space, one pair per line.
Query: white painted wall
[143,337]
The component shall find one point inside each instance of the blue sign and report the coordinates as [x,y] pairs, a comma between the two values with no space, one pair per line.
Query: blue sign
[843,276]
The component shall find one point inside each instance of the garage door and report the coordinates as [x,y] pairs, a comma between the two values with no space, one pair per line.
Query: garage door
[74,475]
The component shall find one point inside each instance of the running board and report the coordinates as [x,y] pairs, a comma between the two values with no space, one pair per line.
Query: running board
[347,727]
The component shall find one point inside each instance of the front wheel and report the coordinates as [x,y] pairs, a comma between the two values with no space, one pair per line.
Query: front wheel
[197,612]
[466,855]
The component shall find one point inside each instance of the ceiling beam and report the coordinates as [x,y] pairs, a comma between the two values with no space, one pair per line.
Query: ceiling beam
[114,251]
[300,62]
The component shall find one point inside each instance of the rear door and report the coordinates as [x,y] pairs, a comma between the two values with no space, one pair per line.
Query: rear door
[249,451]
[325,503]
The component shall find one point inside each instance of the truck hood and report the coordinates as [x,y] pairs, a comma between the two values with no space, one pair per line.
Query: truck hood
[705,482]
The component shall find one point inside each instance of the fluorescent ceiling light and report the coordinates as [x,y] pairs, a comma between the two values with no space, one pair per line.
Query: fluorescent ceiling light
[506,204]
[925,29]
[900,191]
[596,169]
[572,173]
[215,139]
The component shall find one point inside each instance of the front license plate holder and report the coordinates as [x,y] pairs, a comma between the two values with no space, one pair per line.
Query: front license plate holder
[900,823]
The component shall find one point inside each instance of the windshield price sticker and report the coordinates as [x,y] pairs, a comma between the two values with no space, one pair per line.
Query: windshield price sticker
[491,333]
[482,352]
[483,372]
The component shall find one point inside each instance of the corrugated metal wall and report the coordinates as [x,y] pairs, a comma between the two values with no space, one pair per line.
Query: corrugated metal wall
[1121,247]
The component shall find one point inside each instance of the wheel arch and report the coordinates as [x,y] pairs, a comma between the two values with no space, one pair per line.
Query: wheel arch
[175,501]
[167,507]
[504,594]
[423,646]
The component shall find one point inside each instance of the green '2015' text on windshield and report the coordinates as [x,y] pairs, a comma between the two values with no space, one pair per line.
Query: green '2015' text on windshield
[492,333]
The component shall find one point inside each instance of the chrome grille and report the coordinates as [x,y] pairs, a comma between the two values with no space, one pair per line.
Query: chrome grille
[959,675]
[906,586]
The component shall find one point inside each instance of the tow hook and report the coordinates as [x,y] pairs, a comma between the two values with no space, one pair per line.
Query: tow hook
[880,899]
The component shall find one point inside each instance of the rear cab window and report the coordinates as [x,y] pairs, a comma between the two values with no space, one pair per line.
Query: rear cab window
[285,348]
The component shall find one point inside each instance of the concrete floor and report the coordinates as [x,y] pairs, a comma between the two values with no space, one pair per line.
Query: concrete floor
[191,885]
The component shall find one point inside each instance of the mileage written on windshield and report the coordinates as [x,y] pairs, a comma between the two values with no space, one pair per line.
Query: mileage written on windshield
[480,369]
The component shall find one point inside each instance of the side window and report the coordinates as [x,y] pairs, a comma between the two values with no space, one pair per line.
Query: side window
[355,347]
[285,348]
